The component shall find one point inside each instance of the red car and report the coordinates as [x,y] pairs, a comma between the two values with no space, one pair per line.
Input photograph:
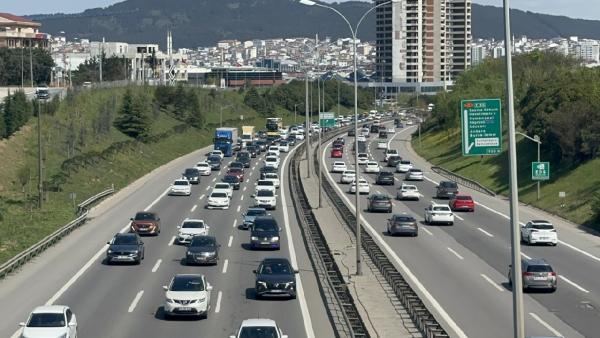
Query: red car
[336,153]
[462,202]
[237,172]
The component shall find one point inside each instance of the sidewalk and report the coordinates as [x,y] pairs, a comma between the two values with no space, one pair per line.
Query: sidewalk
[379,307]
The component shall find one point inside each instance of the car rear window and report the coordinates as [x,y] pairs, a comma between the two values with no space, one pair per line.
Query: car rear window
[448,184]
[182,183]
[386,173]
[543,226]
[263,182]
[193,225]
[405,162]
[265,193]
[539,268]
[442,208]
[218,194]
[404,219]
[463,198]
[380,198]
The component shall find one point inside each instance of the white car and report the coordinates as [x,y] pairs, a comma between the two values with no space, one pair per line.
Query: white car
[363,158]
[363,187]
[271,153]
[539,231]
[181,187]
[50,321]
[408,192]
[361,138]
[216,153]
[348,176]
[187,295]
[259,328]
[391,130]
[274,178]
[390,152]
[224,187]
[403,166]
[265,199]
[439,213]
[338,167]
[272,161]
[409,122]
[414,174]
[274,149]
[218,200]
[189,228]
[381,144]
[372,167]
[265,185]
[300,136]
[284,147]
[204,168]
[365,132]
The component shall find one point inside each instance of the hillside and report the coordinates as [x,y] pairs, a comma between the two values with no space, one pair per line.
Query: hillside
[204,22]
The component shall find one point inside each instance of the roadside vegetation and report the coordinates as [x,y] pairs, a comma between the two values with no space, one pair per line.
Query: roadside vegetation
[555,98]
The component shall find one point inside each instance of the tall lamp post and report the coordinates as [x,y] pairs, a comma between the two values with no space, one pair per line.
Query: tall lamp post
[221,114]
[353,30]
[535,139]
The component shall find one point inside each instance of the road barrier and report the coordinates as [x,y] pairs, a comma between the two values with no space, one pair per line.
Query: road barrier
[84,206]
[469,183]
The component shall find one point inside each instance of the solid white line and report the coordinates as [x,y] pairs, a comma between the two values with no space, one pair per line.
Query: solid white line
[218,307]
[194,207]
[573,284]
[172,241]
[238,208]
[135,301]
[485,232]
[230,241]
[580,251]
[235,223]
[427,231]
[460,218]
[456,253]
[225,266]
[546,325]
[155,268]
[201,197]
[489,280]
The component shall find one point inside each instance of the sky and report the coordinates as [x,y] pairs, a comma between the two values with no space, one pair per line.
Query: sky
[585,9]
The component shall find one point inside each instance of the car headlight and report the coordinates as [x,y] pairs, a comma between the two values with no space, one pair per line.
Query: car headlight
[200,300]
[110,251]
[261,283]
[254,238]
[275,239]
[170,300]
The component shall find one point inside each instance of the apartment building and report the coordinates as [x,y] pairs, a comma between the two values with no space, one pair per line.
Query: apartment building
[18,32]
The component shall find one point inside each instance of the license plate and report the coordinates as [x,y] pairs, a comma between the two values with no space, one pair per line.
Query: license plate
[143,229]
[122,257]
[539,278]
[264,243]
[185,309]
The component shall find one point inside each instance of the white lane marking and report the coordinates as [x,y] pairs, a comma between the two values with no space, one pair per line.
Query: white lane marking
[485,232]
[135,301]
[546,325]
[225,265]
[573,284]
[427,231]
[244,189]
[214,179]
[460,218]
[208,187]
[580,251]
[172,241]
[524,255]
[234,223]
[242,198]
[155,268]
[489,280]
[194,207]
[308,327]
[456,253]
[238,208]
[201,197]
[230,241]
[218,306]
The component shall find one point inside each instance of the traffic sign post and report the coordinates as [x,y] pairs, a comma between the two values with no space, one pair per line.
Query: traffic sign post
[540,171]
[481,122]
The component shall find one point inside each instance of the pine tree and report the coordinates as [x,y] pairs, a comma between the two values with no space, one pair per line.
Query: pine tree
[133,119]
[2,125]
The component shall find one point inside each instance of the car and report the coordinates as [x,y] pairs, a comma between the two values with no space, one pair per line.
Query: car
[204,168]
[403,166]
[383,134]
[291,141]
[236,165]
[262,145]
[272,161]
[338,167]
[223,187]
[414,174]
[382,144]
[244,158]
[539,231]
[338,144]
[284,147]
[363,186]
[273,177]
[348,176]
[393,161]
[337,153]
[266,170]
[352,132]
[181,187]
[363,158]
[462,202]
[385,178]
[364,132]
[374,128]
[390,152]
[203,249]
[438,213]
[265,185]
[536,273]
[232,180]
[250,215]
[239,172]
[192,175]
[272,153]
[125,247]
[187,295]
[253,150]
[259,328]
[400,125]
[189,228]
[379,202]
[408,192]
[402,224]
[214,162]
[446,189]
[275,277]
[216,152]
[145,222]
[372,167]
[218,200]
[361,138]
[50,321]
[391,130]
[274,149]
[264,233]
[265,199]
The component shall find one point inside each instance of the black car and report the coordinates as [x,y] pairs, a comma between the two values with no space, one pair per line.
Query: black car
[262,145]
[244,158]
[383,134]
[385,178]
[352,132]
[393,161]
[446,189]
[253,150]
[265,170]
[214,161]
[374,129]
[233,180]
[265,233]
[126,248]
[275,277]
[192,175]
[202,250]
[237,164]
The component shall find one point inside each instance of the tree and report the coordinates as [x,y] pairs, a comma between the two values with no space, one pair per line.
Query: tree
[17,112]
[133,119]
[10,66]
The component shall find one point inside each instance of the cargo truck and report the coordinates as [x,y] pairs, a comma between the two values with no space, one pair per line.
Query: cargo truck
[225,139]
[274,124]
[247,135]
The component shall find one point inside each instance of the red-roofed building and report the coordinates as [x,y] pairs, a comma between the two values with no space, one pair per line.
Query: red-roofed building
[17,32]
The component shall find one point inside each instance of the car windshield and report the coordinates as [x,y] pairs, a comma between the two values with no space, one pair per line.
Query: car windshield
[386,173]
[275,268]
[202,164]
[256,212]
[259,332]
[266,225]
[192,225]
[265,193]
[415,171]
[47,320]
[203,241]
[218,194]
[187,283]
[125,240]
[181,183]
[236,165]
[349,172]
[214,159]
[145,216]
[542,226]
[405,162]
[539,268]
[409,187]
[271,176]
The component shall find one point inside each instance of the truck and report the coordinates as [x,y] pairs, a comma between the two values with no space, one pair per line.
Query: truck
[273,126]
[247,135]
[225,140]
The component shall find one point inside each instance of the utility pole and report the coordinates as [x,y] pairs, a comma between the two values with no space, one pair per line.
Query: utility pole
[31,64]
[101,58]
[39,135]
[22,70]
[306,129]
[319,142]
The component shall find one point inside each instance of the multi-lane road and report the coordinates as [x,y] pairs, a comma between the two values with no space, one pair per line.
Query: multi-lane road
[125,300]
[461,270]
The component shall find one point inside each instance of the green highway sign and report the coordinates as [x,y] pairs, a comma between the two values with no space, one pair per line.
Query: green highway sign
[540,171]
[481,124]
[327,120]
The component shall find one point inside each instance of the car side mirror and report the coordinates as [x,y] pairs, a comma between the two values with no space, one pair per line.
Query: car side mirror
[166,288]
[131,219]
[209,288]
[254,271]
[72,324]
[280,229]
[179,227]
[296,271]
[22,324]
[108,243]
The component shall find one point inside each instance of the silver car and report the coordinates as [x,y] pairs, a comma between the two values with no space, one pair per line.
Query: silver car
[537,274]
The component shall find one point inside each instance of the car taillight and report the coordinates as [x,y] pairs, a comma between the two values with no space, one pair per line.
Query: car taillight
[553,274]
[527,273]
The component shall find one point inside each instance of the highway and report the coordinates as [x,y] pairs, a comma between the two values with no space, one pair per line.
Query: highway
[125,300]
[464,267]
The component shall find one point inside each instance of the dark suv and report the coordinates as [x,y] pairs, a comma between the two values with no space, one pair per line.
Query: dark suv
[446,189]
[393,161]
[244,158]
[192,175]
[214,162]
[385,178]
[127,247]
[379,202]
[275,277]
[265,233]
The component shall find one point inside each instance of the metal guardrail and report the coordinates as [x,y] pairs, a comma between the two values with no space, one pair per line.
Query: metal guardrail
[84,206]
[469,183]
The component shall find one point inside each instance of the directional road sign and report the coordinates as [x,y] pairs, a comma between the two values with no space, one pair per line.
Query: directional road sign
[327,120]
[540,171]
[481,123]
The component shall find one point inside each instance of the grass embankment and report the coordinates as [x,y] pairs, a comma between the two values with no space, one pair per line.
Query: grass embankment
[443,148]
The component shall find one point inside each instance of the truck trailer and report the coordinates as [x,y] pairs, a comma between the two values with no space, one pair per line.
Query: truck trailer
[225,139]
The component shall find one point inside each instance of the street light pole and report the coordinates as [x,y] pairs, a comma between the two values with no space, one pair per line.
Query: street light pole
[535,139]
[319,142]
[39,135]
[306,128]
[295,105]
